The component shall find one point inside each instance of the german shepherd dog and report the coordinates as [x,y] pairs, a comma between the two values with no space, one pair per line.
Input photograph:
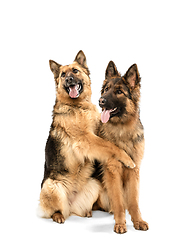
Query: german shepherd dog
[72,146]
[121,125]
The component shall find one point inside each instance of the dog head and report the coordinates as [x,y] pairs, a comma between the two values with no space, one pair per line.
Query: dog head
[72,81]
[120,94]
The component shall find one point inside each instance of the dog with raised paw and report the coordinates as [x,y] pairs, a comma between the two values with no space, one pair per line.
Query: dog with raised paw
[68,185]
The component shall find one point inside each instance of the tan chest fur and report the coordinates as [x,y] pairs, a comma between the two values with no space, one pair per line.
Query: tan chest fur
[72,127]
[126,138]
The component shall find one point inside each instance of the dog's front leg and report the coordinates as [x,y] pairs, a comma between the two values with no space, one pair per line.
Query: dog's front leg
[132,191]
[113,185]
[103,150]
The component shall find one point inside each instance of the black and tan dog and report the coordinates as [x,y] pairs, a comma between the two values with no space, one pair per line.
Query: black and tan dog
[68,186]
[121,125]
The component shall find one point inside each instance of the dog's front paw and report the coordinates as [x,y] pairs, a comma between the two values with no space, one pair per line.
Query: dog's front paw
[58,217]
[127,161]
[88,214]
[131,164]
[120,228]
[141,225]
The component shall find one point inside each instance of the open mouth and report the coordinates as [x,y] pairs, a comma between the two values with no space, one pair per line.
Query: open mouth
[107,114]
[74,91]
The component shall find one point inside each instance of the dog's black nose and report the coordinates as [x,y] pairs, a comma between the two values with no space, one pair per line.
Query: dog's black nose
[69,79]
[102,101]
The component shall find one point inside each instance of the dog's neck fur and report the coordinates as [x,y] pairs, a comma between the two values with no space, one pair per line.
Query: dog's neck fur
[120,128]
[73,105]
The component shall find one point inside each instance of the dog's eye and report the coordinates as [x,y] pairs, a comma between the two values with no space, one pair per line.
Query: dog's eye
[63,74]
[106,89]
[75,70]
[119,91]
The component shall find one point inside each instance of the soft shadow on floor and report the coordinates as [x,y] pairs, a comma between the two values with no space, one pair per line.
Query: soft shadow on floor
[101,228]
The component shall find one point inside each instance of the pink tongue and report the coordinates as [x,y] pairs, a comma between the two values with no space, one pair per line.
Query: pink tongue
[105,115]
[73,92]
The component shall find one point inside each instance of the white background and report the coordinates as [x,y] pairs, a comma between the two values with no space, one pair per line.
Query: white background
[149,33]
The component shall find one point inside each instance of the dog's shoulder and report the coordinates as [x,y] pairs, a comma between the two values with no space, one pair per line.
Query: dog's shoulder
[54,161]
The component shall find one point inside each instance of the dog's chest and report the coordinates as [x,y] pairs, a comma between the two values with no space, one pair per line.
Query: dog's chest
[130,140]
[120,137]
[79,123]
[124,140]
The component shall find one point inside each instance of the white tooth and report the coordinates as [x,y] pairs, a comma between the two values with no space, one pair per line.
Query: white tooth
[113,109]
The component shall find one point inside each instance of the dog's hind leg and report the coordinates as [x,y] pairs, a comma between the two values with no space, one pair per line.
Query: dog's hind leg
[84,200]
[53,199]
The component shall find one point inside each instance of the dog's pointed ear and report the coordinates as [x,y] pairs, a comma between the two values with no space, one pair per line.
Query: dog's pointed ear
[111,70]
[132,77]
[54,66]
[81,59]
